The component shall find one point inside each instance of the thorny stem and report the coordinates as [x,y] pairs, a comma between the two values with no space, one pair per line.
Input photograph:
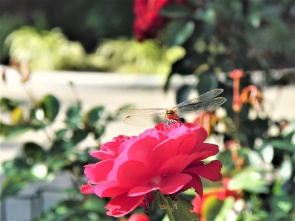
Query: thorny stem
[166,205]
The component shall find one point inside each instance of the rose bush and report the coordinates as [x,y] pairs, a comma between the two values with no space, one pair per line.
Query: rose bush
[168,159]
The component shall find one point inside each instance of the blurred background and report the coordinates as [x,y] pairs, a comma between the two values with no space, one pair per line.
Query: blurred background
[67,66]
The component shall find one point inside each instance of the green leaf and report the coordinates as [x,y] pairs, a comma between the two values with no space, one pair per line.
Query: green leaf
[175,11]
[99,130]
[78,136]
[94,203]
[12,185]
[50,105]
[11,131]
[183,92]
[179,31]
[60,134]
[207,16]
[207,82]
[8,104]
[283,145]
[74,117]
[181,209]
[249,179]
[228,205]
[94,114]
[33,151]
[211,207]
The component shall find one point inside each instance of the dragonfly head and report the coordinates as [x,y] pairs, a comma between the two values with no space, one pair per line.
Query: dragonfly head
[171,114]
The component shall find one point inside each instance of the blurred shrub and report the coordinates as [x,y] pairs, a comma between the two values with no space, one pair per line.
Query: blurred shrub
[45,50]
[130,56]
[51,50]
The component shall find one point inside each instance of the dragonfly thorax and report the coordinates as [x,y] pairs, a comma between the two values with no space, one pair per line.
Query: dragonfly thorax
[171,114]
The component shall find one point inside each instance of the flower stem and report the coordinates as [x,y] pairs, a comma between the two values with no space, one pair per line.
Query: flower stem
[167,206]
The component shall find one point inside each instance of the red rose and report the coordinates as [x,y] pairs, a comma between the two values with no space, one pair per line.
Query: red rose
[168,159]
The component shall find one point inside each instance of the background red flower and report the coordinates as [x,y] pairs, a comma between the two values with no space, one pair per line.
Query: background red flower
[147,19]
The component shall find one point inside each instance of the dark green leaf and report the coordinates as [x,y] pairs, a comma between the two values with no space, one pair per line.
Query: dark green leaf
[183,92]
[99,130]
[50,105]
[283,145]
[15,166]
[10,131]
[207,16]
[178,32]
[78,136]
[181,209]
[207,82]
[94,114]
[60,148]
[74,117]
[175,11]
[33,151]
[282,201]
[8,104]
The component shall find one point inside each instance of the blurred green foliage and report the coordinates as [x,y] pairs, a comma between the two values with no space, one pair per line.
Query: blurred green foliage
[45,50]
[130,56]
[51,50]
[219,36]
[62,154]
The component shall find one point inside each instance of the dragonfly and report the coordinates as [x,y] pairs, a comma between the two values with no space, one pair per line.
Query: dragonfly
[151,116]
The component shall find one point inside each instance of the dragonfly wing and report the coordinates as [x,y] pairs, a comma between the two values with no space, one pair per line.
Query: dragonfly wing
[127,112]
[201,107]
[204,97]
[146,120]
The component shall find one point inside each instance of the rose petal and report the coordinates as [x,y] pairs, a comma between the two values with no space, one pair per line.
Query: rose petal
[168,149]
[99,171]
[140,190]
[87,189]
[176,164]
[172,184]
[210,171]
[130,174]
[109,189]
[195,183]
[123,204]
